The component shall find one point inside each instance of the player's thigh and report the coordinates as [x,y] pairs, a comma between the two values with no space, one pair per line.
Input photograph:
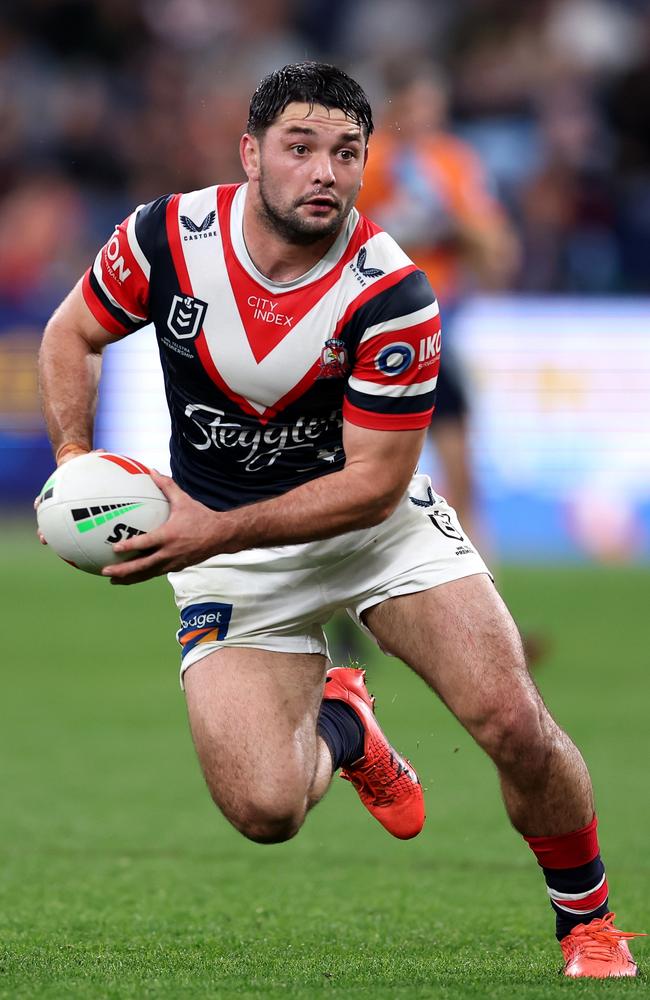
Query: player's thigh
[462,641]
[253,715]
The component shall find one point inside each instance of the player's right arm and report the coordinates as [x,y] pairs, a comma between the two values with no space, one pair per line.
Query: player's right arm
[69,366]
[110,301]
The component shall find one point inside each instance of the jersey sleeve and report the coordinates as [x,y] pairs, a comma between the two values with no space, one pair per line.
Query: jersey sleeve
[394,373]
[116,287]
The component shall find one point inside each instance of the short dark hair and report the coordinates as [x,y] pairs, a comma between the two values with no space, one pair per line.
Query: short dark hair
[311,83]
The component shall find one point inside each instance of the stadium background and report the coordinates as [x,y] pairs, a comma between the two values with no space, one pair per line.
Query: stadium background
[104,105]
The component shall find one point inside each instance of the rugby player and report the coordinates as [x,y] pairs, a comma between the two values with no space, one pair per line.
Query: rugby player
[300,348]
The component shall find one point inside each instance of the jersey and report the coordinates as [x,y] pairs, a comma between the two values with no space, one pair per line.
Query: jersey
[259,375]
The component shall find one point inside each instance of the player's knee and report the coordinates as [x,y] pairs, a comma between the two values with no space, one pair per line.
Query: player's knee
[269,822]
[515,736]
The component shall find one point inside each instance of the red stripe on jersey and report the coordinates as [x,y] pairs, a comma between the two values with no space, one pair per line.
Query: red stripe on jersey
[568,850]
[122,275]
[590,902]
[128,464]
[185,285]
[380,285]
[268,316]
[101,314]
[386,421]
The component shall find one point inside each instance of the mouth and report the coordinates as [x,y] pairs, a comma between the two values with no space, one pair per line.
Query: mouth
[321,202]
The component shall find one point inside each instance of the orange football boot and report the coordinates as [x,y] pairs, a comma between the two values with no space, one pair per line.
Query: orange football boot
[386,783]
[598,950]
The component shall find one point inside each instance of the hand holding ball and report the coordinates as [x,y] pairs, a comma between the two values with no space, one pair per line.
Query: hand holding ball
[95,500]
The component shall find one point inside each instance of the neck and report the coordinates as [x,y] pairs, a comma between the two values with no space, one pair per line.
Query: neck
[273,256]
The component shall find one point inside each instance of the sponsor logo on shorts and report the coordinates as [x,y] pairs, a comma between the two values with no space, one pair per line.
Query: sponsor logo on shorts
[206,622]
[464,550]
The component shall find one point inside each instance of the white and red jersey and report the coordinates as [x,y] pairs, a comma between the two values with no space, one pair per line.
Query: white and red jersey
[259,374]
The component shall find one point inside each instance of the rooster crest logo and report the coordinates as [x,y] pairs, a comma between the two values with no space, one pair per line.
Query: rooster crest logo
[203,227]
[333,359]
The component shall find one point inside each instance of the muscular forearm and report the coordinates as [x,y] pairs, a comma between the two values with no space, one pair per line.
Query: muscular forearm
[68,378]
[331,505]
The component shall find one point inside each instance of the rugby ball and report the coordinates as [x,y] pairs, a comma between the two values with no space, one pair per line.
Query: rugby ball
[93,501]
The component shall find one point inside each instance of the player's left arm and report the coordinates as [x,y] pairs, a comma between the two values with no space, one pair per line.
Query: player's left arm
[378,468]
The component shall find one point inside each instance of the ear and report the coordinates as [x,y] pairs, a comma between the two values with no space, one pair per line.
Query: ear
[249,151]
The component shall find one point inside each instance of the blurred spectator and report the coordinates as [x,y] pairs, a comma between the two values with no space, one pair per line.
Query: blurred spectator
[629,115]
[566,206]
[427,188]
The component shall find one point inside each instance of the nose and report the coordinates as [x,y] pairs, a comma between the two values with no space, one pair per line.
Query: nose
[322,170]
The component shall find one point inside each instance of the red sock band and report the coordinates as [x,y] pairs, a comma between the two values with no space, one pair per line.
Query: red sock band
[570,850]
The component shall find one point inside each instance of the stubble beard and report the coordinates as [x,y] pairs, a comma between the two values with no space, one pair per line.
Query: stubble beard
[290,226]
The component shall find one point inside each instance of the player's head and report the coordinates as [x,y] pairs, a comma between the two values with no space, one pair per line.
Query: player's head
[305,149]
[308,83]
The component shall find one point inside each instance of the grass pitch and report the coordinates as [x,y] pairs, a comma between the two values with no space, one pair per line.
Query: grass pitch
[120,880]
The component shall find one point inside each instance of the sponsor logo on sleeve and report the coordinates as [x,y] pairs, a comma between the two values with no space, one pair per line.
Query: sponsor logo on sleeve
[114,259]
[395,359]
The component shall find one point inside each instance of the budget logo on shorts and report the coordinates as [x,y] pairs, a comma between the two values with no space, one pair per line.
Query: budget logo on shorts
[395,358]
[203,623]
[186,316]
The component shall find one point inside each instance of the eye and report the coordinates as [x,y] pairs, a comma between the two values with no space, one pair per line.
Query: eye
[348,154]
[300,149]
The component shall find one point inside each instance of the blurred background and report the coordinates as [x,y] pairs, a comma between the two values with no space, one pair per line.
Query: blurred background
[512,160]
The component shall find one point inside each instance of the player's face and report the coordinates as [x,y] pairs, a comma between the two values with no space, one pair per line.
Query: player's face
[309,172]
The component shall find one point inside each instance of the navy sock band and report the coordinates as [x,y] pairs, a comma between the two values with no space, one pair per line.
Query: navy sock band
[577,894]
[341,728]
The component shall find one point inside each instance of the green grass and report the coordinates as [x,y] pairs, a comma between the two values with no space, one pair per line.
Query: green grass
[118,879]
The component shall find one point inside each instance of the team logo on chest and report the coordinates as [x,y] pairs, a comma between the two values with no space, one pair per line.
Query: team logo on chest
[186,316]
[333,359]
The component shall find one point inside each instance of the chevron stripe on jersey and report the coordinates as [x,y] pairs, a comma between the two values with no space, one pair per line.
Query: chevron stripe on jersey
[248,362]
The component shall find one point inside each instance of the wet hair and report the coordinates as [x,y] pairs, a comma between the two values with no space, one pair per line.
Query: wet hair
[310,83]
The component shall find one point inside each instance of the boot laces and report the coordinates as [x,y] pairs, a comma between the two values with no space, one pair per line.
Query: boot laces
[376,781]
[599,938]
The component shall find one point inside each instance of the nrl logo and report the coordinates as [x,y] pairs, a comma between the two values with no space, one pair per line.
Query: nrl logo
[186,316]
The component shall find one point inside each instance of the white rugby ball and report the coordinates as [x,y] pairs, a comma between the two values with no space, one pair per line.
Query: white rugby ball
[93,501]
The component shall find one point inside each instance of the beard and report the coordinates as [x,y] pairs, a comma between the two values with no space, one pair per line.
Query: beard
[287,223]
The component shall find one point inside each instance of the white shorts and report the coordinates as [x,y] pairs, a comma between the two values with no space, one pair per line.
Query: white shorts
[279,598]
